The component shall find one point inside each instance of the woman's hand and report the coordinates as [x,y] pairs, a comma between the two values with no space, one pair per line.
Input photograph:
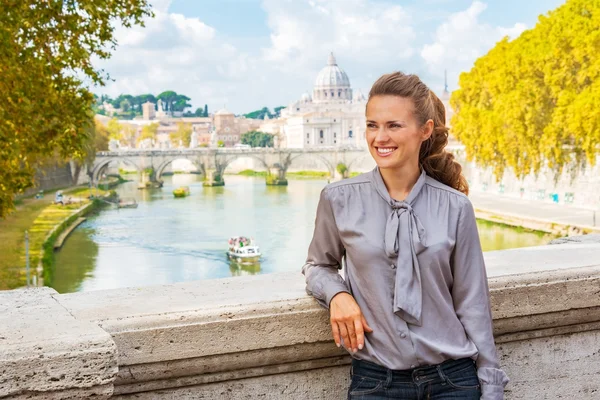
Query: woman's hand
[348,322]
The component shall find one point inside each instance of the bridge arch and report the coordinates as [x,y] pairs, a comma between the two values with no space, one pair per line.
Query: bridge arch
[356,160]
[161,167]
[235,157]
[103,164]
[330,166]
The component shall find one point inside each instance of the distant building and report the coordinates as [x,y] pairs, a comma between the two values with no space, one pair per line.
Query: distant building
[333,116]
[148,111]
[230,128]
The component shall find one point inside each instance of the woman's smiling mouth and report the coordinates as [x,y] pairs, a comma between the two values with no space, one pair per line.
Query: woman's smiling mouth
[385,151]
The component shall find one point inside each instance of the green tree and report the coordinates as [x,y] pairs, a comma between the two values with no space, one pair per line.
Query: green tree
[277,111]
[257,139]
[535,101]
[46,50]
[181,103]
[125,105]
[183,134]
[168,98]
[205,110]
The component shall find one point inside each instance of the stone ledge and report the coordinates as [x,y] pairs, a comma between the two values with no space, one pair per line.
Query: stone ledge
[46,353]
[264,336]
[240,329]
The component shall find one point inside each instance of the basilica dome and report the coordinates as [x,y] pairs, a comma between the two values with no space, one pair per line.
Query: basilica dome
[332,84]
[332,76]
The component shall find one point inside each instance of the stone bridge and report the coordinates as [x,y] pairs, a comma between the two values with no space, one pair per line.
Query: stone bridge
[212,163]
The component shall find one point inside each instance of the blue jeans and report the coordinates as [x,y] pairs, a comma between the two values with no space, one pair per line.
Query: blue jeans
[452,379]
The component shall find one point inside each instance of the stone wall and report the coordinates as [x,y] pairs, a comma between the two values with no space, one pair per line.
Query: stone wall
[52,177]
[263,337]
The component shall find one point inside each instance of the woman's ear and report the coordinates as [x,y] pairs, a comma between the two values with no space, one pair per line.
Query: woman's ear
[427,130]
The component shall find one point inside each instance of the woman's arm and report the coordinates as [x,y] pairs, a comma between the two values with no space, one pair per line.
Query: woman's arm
[324,282]
[325,255]
[470,294]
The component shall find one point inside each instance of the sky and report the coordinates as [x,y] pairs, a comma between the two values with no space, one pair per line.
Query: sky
[247,54]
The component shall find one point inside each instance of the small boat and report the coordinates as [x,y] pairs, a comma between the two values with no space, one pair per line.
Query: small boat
[181,191]
[243,250]
[128,204]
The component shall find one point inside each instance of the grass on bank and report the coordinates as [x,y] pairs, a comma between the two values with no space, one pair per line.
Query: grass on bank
[298,174]
[38,217]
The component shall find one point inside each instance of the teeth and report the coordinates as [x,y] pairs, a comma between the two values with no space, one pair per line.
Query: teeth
[386,150]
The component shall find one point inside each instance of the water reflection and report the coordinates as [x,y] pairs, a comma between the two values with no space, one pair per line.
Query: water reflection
[239,269]
[167,240]
[69,275]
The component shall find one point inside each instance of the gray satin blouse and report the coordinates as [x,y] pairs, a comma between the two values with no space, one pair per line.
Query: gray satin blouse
[416,270]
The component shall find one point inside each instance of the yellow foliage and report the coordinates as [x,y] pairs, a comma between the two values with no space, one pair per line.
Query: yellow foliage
[535,101]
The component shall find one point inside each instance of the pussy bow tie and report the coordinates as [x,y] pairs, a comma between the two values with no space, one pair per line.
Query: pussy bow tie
[404,238]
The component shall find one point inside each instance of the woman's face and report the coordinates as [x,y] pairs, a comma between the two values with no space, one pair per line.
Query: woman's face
[394,134]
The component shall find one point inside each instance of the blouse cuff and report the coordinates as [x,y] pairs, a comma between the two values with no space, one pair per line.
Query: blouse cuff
[332,289]
[492,381]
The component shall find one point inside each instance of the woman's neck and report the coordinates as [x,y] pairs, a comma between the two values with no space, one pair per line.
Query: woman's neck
[400,181]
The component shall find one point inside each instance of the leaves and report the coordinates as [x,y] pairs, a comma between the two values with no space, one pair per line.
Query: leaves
[183,135]
[533,102]
[257,139]
[46,50]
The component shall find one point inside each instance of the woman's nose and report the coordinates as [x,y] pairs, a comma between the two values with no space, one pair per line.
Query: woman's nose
[382,135]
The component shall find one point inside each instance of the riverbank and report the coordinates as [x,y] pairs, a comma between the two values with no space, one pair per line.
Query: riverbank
[39,217]
[541,216]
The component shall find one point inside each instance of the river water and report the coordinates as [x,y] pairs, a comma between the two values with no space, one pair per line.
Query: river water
[167,240]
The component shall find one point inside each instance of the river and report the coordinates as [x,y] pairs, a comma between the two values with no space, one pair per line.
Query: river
[167,240]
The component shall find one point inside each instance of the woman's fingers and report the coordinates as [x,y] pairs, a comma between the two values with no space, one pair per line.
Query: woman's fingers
[360,336]
[344,334]
[336,332]
[351,332]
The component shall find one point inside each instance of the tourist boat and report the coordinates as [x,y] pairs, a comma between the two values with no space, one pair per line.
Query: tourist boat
[127,204]
[182,191]
[243,250]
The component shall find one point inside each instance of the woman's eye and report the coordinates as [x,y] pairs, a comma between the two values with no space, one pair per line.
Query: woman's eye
[395,126]
[371,126]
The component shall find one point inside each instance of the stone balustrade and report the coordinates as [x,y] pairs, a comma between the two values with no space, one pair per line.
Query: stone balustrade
[263,337]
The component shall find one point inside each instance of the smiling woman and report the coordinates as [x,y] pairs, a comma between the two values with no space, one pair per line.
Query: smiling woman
[413,306]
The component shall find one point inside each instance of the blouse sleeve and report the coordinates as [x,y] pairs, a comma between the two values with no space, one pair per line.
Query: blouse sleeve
[470,294]
[325,254]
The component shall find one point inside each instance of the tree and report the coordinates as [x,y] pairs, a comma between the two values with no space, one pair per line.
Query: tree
[277,111]
[46,50]
[535,101]
[168,98]
[258,114]
[183,135]
[114,129]
[125,105]
[205,110]
[128,133]
[264,112]
[181,103]
[148,132]
[257,139]
[144,98]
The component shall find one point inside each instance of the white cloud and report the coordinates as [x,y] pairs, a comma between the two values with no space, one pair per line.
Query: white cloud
[363,32]
[181,53]
[175,52]
[462,39]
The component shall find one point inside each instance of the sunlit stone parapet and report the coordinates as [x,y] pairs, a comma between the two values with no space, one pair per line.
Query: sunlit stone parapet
[46,353]
[263,337]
